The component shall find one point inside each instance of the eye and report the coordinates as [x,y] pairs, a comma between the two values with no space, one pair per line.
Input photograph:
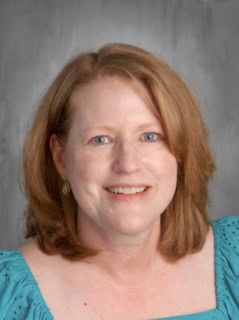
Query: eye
[151,136]
[100,140]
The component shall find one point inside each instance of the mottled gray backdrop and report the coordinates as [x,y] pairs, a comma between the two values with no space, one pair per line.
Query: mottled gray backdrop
[199,38]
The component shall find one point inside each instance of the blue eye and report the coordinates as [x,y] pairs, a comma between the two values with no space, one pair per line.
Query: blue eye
[150,137]
[100,139]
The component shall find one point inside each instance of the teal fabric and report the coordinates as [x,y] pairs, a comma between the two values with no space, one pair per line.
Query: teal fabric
[21,299]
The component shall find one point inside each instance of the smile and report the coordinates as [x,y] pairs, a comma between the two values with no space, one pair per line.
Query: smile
[126,190]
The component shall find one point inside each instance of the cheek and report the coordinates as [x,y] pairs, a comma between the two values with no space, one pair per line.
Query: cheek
[169,165]
[164,169]
[84,169]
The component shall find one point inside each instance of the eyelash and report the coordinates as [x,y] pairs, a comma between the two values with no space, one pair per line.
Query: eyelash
[147,133]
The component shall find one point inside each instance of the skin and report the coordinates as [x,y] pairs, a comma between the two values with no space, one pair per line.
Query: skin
[125,231]
[129,279]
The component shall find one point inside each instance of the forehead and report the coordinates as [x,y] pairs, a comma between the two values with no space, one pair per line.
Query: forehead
[112,97]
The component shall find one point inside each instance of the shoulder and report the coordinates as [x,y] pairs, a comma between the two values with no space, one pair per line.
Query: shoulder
[226,234]
[226,231]
[226,221]
[12,268]
[19,292]
[45,268]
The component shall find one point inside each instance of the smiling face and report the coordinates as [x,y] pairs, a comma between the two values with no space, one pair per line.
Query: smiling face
[116,141]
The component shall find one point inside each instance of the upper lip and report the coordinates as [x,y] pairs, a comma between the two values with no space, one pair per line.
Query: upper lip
[126,185]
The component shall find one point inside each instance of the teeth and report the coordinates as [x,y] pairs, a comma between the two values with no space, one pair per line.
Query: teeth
[127,190]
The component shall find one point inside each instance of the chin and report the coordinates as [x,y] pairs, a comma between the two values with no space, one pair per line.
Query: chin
[132,226]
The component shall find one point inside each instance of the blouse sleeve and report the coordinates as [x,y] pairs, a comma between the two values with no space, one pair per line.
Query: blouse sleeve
[19,292]
[226,232]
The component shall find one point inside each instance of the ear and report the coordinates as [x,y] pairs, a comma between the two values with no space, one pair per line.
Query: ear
[57,155]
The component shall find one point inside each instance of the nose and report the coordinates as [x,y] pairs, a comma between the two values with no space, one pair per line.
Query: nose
[126,159]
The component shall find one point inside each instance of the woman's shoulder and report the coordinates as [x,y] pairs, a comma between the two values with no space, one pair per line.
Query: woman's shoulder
[226,234]
[226,222]
[12,270]
[19,293]
[226,231]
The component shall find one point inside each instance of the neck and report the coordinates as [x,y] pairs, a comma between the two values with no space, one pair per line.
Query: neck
[123,259]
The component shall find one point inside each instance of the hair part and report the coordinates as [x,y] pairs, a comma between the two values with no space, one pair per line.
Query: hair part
[51,216]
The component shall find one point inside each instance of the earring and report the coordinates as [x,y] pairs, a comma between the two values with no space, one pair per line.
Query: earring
[66,188]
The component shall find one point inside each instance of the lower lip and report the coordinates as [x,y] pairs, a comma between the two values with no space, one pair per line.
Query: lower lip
[128,197]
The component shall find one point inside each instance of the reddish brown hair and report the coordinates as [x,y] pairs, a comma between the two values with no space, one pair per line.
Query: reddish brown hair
[51,216]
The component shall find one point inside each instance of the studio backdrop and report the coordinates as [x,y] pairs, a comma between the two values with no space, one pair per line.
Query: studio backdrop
[199,38]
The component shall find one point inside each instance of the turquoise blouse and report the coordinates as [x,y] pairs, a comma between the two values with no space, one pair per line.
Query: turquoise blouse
[21,299]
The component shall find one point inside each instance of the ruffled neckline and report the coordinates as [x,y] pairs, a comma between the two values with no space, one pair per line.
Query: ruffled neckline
[221,290]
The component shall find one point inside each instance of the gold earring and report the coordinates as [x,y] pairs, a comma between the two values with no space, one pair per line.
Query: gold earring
[66,188]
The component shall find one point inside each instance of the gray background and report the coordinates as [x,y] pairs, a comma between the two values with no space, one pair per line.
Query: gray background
[199,38]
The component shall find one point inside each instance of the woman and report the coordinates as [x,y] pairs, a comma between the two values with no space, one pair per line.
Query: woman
[116,170]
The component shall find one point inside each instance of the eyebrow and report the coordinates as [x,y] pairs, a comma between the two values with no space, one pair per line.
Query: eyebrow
[111,129]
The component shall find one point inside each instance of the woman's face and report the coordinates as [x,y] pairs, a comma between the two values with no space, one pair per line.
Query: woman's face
[116,142]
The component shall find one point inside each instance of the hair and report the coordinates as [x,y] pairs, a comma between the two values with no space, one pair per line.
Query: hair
[51,216]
